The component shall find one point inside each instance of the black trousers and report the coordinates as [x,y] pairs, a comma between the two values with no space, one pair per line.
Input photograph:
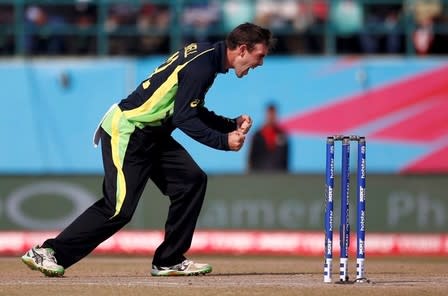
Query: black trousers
[148,155]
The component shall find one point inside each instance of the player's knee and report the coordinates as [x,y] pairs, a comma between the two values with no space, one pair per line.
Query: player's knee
[201,177]
[123,217]
[197,178]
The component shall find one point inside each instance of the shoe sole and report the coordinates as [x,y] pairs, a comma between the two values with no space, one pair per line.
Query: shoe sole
[182,273]
[50,273]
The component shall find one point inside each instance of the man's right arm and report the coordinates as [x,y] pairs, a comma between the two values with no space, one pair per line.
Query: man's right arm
[186,116]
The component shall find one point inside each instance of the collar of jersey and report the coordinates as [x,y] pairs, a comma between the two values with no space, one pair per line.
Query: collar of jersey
[221,56]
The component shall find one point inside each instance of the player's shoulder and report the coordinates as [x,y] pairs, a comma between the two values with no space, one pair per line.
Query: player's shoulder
[196,50]
[200,58]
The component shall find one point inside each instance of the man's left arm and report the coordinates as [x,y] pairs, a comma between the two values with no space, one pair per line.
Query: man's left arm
[217,122]
[223,124]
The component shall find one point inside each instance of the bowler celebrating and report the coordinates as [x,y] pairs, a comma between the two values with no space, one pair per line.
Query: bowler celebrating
[137,145]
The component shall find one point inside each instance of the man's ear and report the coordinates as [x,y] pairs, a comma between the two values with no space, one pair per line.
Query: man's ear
[242,49]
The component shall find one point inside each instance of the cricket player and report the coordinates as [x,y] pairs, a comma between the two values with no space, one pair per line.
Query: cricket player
[137,145]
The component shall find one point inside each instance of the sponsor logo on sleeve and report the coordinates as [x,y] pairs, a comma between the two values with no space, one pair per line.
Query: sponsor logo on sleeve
[195,103]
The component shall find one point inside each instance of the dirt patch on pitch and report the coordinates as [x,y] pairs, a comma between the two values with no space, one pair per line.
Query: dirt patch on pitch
[234,275]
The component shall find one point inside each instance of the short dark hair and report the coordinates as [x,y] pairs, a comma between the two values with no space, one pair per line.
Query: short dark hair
[249,34]
[271,106]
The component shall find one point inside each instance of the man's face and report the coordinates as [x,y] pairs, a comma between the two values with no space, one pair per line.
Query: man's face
[247,60]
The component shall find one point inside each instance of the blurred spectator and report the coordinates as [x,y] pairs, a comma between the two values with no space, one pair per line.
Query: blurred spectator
[153,19]
[120,16]
[152,16]
[347,20]
[7,20]
[6,44]
[198,18]
[235,12]
[382,31]
[269,147]
[85,19]
[300,26]
[280,16]
[426,13]
[6,14]
[41,37]
[312,19]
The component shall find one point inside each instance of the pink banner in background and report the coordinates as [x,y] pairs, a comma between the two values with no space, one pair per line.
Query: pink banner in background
[246,242]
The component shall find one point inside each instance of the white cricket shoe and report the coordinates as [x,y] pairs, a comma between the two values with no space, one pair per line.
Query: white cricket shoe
[186,267]
[43,259]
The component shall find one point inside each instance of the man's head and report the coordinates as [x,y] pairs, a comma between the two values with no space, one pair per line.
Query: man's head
[247,45]
[271,115]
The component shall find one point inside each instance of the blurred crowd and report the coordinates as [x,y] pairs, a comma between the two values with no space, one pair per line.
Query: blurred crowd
[143,27]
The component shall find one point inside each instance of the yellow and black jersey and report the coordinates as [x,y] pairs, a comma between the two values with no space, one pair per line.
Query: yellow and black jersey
[173,96]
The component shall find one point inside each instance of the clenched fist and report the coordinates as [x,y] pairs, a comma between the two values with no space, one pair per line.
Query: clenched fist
[236,140]
[244,123]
